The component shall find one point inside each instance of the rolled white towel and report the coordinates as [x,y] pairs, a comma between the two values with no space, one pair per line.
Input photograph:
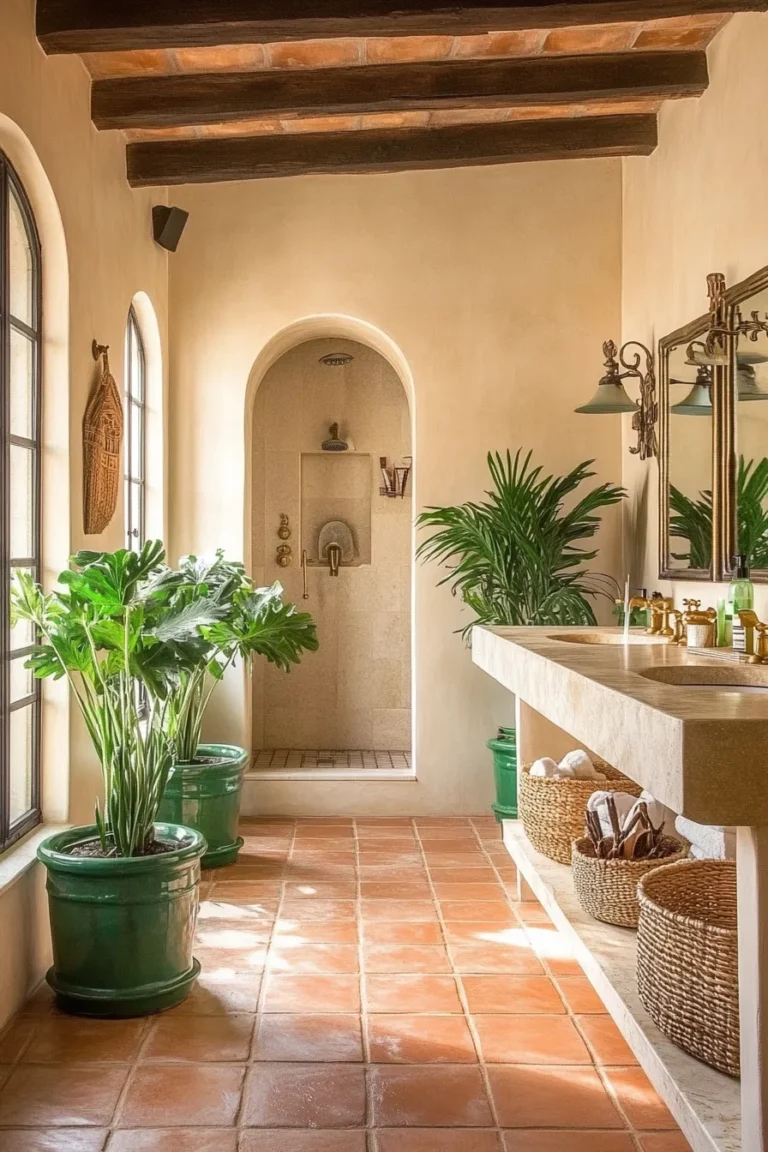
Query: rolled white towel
[580,764]
[624,805]
[708,842]
[545,767]
[659,813]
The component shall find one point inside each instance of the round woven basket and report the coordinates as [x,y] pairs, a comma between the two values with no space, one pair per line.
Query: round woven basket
[607,889]
[553,811]
[687,958]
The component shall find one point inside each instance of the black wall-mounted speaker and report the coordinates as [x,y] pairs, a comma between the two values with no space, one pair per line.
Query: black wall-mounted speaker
[168,225]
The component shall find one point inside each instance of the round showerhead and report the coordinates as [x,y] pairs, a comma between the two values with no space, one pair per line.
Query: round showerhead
[336,359]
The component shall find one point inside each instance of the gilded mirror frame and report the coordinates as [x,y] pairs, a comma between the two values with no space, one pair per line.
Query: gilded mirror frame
[735,297]
[695,330]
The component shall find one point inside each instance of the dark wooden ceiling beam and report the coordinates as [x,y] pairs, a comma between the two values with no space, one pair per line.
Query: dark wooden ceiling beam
[170,101]
[258,157]
[121,25]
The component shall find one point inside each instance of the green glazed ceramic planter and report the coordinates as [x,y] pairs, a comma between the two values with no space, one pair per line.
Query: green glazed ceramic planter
[207,797]
[122,928]
[504,749]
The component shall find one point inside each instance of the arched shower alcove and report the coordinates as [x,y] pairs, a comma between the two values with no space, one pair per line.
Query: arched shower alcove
[347,707]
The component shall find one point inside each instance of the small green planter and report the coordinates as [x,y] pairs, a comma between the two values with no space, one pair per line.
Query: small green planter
[504,749]
[207,797]
[122,928]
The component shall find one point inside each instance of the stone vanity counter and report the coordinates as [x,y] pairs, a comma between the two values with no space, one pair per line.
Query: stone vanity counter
[700,749]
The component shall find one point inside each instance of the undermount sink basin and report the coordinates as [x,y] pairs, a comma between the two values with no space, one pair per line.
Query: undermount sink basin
[616,638]
[738,678]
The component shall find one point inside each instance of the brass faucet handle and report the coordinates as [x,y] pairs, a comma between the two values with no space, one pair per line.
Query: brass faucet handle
[749,619]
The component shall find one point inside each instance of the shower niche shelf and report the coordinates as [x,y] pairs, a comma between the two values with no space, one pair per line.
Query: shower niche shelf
[336,486]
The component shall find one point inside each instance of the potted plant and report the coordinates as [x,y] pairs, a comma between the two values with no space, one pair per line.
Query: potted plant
[123,891]
[205,785]
[515,559]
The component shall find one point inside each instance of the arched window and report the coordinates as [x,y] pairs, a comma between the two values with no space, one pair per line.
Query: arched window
[20,393]
[134,448]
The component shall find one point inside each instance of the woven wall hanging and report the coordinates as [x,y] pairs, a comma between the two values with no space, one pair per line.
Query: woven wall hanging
[102,440]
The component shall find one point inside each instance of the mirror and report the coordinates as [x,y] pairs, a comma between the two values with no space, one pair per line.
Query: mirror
[747,426]
[687,457]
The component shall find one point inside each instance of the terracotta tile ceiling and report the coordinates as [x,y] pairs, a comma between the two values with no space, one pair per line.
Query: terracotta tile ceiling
[678,34]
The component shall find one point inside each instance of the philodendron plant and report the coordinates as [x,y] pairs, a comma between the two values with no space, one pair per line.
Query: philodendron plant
[116,622]
[251,622]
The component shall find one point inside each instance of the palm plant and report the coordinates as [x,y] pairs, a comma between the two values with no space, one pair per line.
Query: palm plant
[116,621]
[252,622]
[515,556]
[691,519]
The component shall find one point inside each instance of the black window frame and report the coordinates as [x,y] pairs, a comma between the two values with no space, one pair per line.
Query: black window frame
[135,534]
[11,185]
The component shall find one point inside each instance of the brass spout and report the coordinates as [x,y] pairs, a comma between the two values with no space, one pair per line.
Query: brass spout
[334,559]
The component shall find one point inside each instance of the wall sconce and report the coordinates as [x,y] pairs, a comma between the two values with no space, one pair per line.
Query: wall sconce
[698,402]
[611,396]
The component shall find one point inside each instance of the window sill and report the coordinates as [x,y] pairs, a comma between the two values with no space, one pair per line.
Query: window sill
[20,858]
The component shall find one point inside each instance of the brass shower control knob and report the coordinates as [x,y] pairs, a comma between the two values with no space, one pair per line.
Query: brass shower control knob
[284,531]
[283,557]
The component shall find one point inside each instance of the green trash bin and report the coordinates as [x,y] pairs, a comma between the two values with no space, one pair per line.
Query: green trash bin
[504,749]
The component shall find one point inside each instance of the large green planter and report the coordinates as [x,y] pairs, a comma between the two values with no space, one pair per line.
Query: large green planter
[504,748]
[122,928]
[207,797]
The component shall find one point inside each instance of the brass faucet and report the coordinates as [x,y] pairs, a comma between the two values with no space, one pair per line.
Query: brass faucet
[334,559]
[660,608]
[760,655]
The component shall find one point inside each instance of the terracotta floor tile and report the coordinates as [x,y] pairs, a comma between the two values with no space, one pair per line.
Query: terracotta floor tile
[183,1096]
[259,887]
[413,910]
[219,992]
[312,994]
[436,1140]
[536,1097]
[401,1039]
[402,845]
[395,890]
[198,1039]
[478,875]
[489,911]
[248,918]
[305,1096]
[568,1142]
[484,931]
[530,1040]
[315,931]
[410,959]
[16,1036]
[639,1099]
[281,1140]
[232,959]
[564,966]
[245,892]
[174,1140]
[525,995]
[495,959]
[412,994]
[55,1140]
[605,1040]
[452,890]
[447,832]
[532,913]
[664,1142]
[580,996]
[322,856]
[379,857]
[322,890]
[53,1095]
[300,958]
[304,1039]
[318,909]
[324,831]
[70,1040]
[429,1097]
[394,932]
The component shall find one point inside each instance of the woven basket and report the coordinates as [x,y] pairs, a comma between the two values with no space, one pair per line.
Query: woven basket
[553,811]
[687,958]
[607,889]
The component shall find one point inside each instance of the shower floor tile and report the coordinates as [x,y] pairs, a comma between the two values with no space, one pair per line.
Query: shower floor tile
[327,758]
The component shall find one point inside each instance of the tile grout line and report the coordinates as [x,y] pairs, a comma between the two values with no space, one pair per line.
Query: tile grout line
[117,1112]
[239,1124]
[458,983]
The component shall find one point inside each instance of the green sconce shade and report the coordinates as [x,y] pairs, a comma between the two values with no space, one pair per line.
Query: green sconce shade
[698,402]
[609,399]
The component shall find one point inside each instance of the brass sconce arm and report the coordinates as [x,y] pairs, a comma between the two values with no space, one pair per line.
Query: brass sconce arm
[638,364]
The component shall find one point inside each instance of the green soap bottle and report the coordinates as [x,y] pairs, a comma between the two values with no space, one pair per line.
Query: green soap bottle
[741,593]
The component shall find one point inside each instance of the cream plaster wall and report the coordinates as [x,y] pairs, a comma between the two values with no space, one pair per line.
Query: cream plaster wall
[696,206]
[495,289]
[355,691]
[98,253]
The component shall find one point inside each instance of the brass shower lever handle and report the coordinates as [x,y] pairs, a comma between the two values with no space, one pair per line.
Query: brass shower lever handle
[305,594]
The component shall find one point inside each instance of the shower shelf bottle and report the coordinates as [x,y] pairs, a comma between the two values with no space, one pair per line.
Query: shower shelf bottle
[741,598]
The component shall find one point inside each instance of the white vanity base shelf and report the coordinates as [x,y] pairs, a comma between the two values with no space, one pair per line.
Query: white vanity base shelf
[705,1103]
